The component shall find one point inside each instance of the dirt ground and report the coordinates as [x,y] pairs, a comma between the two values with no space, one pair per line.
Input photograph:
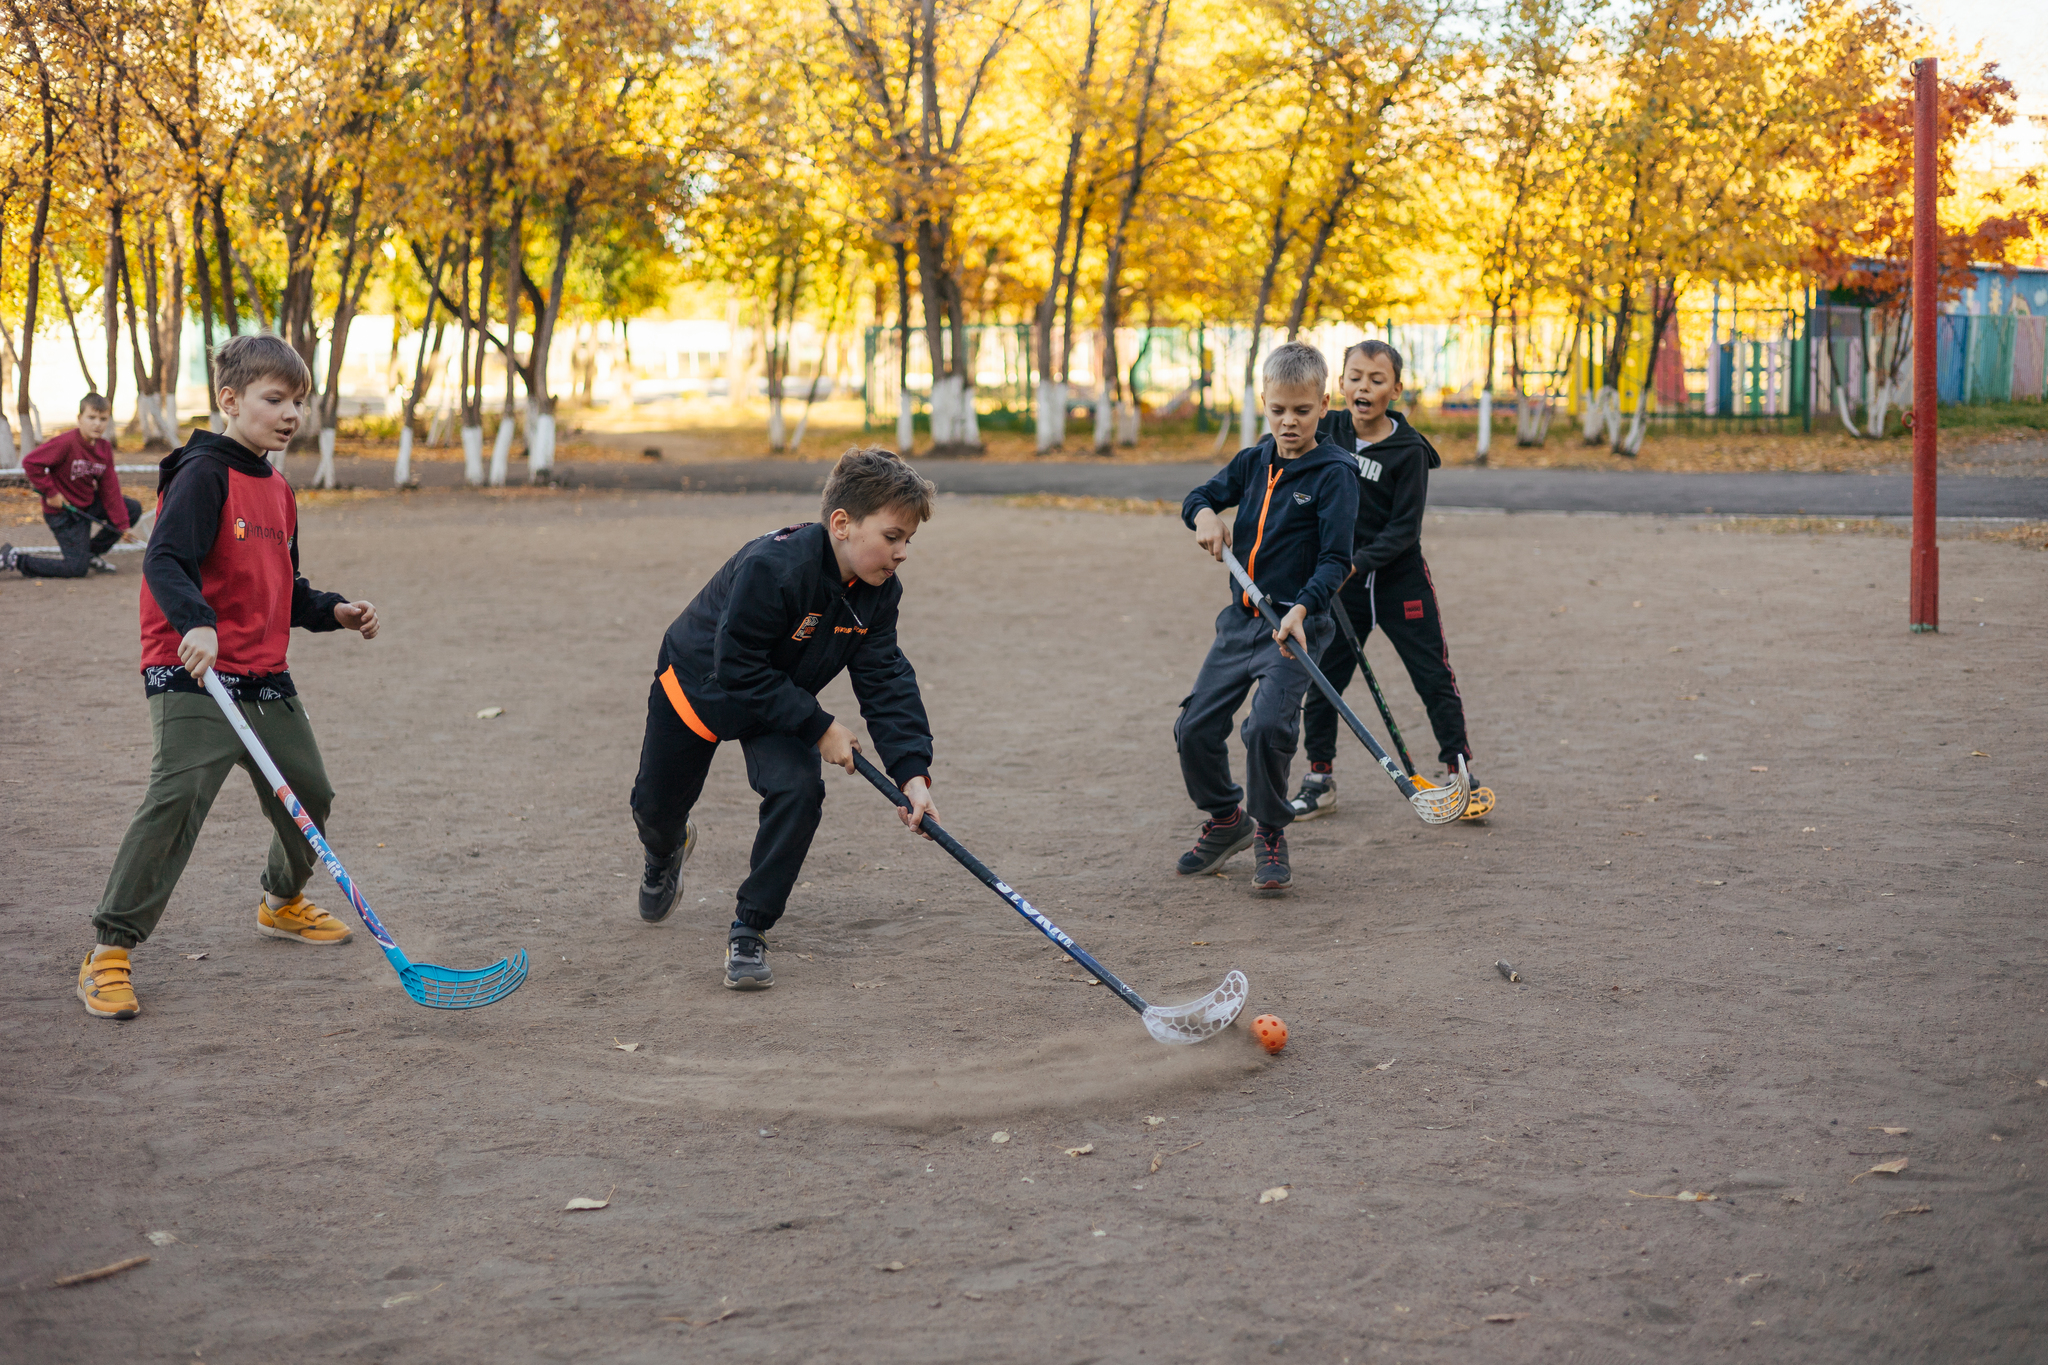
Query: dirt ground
[1769,868]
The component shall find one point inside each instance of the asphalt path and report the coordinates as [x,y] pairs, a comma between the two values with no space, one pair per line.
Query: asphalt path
[1508,490]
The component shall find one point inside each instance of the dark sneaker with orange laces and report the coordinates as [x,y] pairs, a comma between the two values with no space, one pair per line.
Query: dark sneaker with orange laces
[1217,841]
[1271,874]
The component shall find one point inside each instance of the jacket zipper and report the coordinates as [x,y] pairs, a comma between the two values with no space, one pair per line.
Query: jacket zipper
[1251,564]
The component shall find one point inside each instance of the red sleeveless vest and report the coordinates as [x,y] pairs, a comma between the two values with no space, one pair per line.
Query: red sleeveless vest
[247,579]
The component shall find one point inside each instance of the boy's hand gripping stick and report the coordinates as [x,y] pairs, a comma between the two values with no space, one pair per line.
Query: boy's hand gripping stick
[1436,805]
[441,988]
[1193,1022]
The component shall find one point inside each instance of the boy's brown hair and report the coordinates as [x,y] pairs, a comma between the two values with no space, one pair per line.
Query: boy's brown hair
[1375,350]
[240,361]
[869,478]
[95,402]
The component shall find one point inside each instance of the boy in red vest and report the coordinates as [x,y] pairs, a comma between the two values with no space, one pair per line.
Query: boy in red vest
[221,589]
[74,471]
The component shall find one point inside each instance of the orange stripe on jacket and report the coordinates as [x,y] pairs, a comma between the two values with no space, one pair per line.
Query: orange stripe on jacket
[683,707]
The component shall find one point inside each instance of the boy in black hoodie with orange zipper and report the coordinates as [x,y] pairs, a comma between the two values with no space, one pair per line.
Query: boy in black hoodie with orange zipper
[1296,501]
[1390,586]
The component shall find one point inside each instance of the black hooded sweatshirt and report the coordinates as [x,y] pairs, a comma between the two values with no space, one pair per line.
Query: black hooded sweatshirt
[191,489]
[751,652]
[1294,520]
[1393,487]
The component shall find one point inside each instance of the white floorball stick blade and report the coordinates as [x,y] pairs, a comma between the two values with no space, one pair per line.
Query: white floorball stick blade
[1202,1019]
[1441,805]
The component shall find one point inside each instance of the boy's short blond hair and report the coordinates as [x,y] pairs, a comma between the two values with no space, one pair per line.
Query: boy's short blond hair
[241,361]
[869,478]
[1297,362]
[94,402]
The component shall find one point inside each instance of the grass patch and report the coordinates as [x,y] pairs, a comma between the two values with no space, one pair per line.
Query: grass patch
[1814,526]
[2028,414]
[2031,535]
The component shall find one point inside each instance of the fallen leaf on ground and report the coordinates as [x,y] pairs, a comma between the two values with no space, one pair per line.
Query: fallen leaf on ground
[892,1267]
[1758,768]
[970,1294]
[162,1239]
[1684,1196]
[999,1138]
[1198,943]
[1890,1132]
[1387,1063]
[1916,1208]
[88,1276]
[1098,1233]
[1153,1121]
[490,713]
[1882,1168]
[1505,1317]
[692,1322]
[1713,883]
[1794,1198]
[1158,1160]
[193,957]
[1083,1150]
[625,1047]
[1996,1138]
[1978,753]
[1274,1195]
[400,1300]
[1749,1278]
[579,1202]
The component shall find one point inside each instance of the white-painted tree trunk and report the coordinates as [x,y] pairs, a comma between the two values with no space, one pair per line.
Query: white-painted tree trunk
[217,422]
[1105,418]
[906,423]
[10,457]
[401,473]
[1532,419]
[501,453]
[1485,423]
[540,451]
[951,424]
[473,455]
[1052,415]
[323,477]
[969,420]
[1127,424]
[1632,445]
[1248,422]
[778,432]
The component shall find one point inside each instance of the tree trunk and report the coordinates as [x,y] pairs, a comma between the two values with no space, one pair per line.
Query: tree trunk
[906,420]
[1052,394]
[540,455]
[1663,305]
[508,422]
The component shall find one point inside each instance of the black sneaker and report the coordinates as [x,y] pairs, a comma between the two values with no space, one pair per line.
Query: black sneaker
[746,962]
[1217,841]
[662,882]
[8,554]
[98,564]
[1318,796]
[1272,874]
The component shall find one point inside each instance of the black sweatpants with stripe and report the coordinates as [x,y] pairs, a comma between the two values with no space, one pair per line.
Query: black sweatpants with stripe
[1400,599]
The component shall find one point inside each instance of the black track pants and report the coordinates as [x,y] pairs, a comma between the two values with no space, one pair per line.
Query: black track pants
[77,542]
[1401,601]
[786,772]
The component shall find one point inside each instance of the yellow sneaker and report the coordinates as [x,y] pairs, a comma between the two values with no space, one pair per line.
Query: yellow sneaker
[301,921]
[104,986]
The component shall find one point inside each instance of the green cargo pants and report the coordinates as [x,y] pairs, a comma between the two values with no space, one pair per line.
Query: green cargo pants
[192,748]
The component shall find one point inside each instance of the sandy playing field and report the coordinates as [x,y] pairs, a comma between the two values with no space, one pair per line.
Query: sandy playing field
[1771,871]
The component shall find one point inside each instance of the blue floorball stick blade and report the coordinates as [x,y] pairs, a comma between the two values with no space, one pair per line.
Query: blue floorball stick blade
[445,988]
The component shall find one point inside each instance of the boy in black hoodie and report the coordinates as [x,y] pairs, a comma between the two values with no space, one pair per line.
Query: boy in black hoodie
[221,590]
[1390,584]
[1296,501]
[746,661]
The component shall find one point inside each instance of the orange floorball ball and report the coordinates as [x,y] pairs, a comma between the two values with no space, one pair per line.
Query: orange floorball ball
[1271,1033]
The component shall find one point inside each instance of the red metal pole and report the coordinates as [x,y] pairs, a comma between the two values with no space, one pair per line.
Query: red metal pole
[1925,612]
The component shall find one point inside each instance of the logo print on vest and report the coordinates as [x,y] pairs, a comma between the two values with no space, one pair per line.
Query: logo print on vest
[1369,469]
[241,529]
[808,628]
[1412,610]
[1303,499]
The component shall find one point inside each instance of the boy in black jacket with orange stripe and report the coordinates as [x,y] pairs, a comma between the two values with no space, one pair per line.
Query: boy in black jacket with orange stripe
[1390,587]
[746,661]
[1296,501]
